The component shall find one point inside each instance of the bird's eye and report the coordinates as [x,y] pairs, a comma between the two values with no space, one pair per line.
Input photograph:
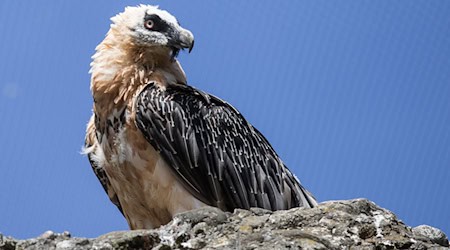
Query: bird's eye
[149,24]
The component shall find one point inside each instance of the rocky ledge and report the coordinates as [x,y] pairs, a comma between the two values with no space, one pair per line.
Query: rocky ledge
[352,224]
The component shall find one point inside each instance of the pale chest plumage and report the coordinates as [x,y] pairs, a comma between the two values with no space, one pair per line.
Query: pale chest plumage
[147,190]
[140,183]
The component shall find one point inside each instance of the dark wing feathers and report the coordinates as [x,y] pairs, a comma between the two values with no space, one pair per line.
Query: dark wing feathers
[103,178]
[216,153]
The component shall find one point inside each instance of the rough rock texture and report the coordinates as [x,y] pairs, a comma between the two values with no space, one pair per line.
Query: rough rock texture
[352,224]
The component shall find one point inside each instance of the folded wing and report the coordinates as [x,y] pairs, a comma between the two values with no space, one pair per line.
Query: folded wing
[218,156]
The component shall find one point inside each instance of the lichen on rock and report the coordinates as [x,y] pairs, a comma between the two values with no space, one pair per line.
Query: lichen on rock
[349,224]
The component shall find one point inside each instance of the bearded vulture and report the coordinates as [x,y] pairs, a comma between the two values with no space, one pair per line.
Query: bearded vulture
[159,146]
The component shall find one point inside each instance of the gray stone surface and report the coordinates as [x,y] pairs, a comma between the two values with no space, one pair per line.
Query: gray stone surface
[430,233]
[351,224]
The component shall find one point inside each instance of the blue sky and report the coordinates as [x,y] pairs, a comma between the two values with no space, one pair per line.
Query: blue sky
[353,95]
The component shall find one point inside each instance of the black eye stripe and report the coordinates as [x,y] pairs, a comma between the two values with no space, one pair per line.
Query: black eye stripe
[158,24]
[153,17]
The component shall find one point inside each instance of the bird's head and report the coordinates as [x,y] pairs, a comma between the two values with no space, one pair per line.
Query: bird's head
[150,28]
[142,44]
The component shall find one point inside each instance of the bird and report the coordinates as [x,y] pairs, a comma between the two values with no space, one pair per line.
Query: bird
[159,146]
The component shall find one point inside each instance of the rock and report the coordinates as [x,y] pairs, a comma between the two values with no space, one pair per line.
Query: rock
[351,224]
[210,215]
[433,234]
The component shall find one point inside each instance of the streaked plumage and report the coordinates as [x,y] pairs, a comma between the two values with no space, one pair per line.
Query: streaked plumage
[159,146]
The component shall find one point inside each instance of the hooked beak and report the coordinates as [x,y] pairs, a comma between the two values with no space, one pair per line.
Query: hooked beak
[184,40]
[191,47]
